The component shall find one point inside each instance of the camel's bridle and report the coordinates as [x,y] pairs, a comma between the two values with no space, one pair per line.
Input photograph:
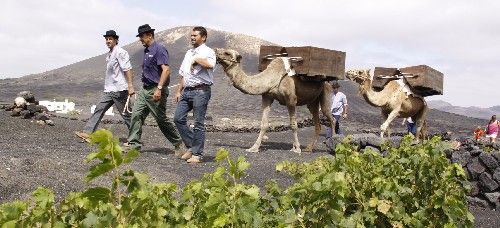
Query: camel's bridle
[219,59]
[363,78]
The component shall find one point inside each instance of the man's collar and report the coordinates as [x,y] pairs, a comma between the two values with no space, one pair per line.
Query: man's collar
[198,48]
[112,49]
[150,46]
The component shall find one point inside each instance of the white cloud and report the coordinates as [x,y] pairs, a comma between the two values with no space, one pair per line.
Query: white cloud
[459,38]
[42,35]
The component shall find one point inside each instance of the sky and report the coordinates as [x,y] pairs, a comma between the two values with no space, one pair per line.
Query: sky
[457,37]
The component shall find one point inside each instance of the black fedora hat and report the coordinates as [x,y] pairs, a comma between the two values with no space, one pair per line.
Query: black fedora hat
[111,33]
[143,29]
[335,84]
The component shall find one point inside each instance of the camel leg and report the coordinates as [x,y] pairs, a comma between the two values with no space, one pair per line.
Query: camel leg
[264,124]
[326,107]
[314,109]
[420,119]
[295,128]
[383,128]
[385,115]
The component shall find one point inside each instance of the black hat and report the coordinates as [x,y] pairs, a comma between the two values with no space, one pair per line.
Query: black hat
[111,33]
[143,29]
[335,84]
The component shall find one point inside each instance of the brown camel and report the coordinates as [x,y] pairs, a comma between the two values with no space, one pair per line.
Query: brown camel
[393,101]
[274,84]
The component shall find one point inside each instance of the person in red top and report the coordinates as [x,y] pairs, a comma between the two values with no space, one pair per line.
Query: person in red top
[492,129]
[478,133]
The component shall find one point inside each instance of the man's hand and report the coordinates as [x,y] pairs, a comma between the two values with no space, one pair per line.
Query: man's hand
[157,95]
[193,65]
[177,97]
[344,115]
[131,90]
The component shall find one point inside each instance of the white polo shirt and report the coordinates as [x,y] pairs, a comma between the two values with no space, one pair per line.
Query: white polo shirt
[117,63]
[338,102]
[199,75]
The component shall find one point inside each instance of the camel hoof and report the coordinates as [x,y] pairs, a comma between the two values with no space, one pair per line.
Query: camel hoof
[308,149]
[296,150]
[252,150]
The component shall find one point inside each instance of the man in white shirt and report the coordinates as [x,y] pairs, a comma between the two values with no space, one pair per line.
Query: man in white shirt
[194,93]
[339,108]
[118,85]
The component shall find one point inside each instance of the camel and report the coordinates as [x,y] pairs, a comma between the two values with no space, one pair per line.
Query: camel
[274,84]
[393,101]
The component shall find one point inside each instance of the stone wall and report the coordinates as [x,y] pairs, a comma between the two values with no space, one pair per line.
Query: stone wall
[481,162]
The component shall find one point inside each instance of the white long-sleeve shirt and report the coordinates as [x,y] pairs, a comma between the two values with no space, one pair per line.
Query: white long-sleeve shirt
[338,102]
[117,63]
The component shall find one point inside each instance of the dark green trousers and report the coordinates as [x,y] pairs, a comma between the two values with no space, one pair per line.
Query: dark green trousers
[143,106]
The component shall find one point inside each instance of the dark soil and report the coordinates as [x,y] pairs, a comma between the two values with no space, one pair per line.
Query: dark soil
[33,155]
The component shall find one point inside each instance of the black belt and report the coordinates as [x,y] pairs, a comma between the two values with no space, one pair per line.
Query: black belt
[149,86]
[198,87]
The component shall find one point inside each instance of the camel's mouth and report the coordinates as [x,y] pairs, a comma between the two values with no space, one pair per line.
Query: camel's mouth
[350,75]
[355,75]
[227,55]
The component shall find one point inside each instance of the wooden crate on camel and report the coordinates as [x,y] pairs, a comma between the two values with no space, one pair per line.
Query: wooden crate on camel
[422,79]
[311,63]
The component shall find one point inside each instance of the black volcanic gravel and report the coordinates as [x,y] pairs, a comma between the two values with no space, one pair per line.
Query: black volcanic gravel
[32,155]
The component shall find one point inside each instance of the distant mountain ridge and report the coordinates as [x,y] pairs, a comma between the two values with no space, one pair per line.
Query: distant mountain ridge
[472,111]
[89,73]
[82,82]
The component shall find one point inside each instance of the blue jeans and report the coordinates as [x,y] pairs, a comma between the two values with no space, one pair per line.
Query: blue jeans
[196,100]
[412,128]
[337,127]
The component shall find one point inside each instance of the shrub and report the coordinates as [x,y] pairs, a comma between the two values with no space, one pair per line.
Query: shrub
[414,186]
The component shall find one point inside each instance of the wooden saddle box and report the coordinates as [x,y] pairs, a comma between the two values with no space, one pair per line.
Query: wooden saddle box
[319,63]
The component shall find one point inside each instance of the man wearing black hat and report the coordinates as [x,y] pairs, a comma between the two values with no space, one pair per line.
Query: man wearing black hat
[118,85]
[152,98]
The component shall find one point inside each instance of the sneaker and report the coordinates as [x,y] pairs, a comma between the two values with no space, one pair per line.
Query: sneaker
[194,159]
[187,155]
[83,135]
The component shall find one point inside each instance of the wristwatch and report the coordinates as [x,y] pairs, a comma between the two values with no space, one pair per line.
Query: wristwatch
[159,87]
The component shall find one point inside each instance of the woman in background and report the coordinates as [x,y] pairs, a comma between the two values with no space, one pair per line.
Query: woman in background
[492,129]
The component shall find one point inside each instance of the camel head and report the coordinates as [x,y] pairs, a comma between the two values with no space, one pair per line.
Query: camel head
[227,57]
[358,76]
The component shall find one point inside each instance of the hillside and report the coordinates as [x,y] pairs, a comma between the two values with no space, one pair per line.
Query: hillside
[472,111]
[82,83]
